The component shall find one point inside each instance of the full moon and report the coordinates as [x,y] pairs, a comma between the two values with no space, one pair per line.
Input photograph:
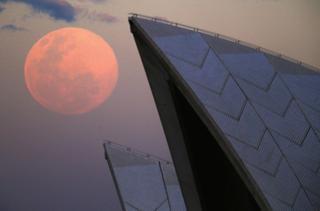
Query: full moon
[71,71]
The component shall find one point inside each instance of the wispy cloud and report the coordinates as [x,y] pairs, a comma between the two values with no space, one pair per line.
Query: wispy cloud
[12,28]
[96,16]
[63,10]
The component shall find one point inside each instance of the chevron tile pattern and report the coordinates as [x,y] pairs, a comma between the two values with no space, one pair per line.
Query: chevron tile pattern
[240,129]
[292,125]
[283,185]
[252,67]
[275,98]
[312,115]
[301,203]
[266,157]
[211,74]
[222,101]
[268,109]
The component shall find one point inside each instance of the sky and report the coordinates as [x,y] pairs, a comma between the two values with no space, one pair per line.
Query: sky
[50,161]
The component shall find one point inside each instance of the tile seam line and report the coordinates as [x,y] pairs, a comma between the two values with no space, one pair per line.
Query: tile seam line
[294,98]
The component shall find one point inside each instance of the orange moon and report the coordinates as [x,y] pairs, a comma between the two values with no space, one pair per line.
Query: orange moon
[71,71]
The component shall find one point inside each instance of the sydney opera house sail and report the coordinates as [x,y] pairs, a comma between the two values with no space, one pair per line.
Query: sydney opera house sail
[242,123]
[143,182]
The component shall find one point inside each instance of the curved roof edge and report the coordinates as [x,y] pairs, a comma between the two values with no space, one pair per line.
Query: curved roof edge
[135,152]
[228,38]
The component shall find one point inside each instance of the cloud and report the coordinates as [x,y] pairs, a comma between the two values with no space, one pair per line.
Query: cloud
[12,27]
[1,9]
[96,16]
[62,10]
[57,9]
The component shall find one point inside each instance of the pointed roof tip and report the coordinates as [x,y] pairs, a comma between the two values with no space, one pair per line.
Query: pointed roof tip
[107,144]
[166,21]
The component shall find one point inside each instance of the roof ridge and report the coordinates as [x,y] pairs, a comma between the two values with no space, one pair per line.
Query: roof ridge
[135,152]
[228,38]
